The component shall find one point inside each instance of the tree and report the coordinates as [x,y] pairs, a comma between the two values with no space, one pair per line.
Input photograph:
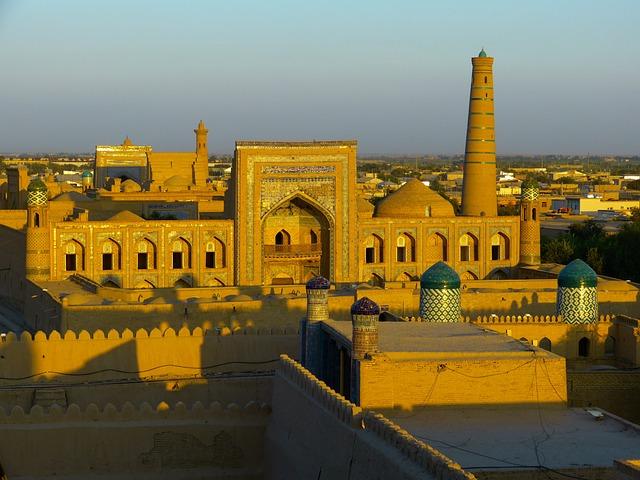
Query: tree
[557,250]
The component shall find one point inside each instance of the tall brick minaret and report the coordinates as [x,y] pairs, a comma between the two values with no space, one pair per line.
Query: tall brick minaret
[201,164]
[479,187]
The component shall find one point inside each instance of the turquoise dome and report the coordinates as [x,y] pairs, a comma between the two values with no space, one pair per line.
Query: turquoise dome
[87,174]
[482,54]
[577,274]
[37,185]
[440,276]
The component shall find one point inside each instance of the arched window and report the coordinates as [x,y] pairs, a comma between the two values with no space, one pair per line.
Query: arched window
[436,249]
[524,339]
[525,213]
[545,343]
[214,254]
[610,346]
[486,80]
[534,215]
[313,237]
[110,255]
[583,347]
[373,249]
[468,248]
[405,248]
[73,256]
[500,247]
[181,254]
[146,255]
[36,219]
[283,238]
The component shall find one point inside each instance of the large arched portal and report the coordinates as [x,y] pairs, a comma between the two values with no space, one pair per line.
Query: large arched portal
[296,239]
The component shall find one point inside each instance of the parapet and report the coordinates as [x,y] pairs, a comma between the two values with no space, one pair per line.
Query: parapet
[526,318]
[129,412]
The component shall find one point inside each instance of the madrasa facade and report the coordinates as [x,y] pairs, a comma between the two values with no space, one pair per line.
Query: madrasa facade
[291,212]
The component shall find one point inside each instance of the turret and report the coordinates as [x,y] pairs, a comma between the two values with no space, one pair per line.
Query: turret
[479,183]
[201,164]
[440,294]
[364,322]
[37,256]
[317,311]
[529,223]
[87,180]
[577,299]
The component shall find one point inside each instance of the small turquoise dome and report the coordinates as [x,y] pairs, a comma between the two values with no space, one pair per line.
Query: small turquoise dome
[482,54]
[365,306]
[318,283]
[577,274]
[37,185]
[87,174]
[440,276]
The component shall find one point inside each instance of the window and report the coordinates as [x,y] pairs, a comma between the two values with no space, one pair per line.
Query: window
[177,260]
[525,214]
[70,262]
[545,344]
[486,80]
[610,346]
[369,255]
[373,249]
[583,347]
[401,249]
[283,238]
[36,220]
[468,248]
[313,237]
[499,247]
[143,260]
[107,261]
[544,204]
[534,216]
[210,260]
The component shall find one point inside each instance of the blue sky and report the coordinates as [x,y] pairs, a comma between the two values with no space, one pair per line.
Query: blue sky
[394,75]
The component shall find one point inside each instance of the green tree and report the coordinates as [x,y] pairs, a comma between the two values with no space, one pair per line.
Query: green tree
[557,250]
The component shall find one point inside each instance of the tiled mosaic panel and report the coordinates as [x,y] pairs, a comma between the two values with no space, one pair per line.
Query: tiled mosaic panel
[440,305]
[578,305]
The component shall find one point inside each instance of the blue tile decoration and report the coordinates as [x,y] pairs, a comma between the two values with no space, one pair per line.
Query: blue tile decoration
[440,294]
[577,298]
[318,283]
[365,306]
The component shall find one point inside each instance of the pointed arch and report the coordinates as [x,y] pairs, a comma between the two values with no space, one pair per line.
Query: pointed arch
[405,248]
[182,283]
[282,238]
[545,344]
[144,284]
[111,255]
[110,283]
[74,256]
[180,254]
[584,345]
[436,248]
[146,254]
[375,280]
[468,247]
[468,276]
[405,277]
[500,246]
[215,253]
[373,249]
[610,346]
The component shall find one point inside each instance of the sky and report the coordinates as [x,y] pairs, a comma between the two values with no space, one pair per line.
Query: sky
[393,75]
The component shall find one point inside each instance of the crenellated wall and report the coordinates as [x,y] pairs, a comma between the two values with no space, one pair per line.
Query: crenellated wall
[308,417]
[214,441]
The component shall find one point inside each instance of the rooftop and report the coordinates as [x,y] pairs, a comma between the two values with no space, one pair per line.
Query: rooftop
[436,337]
[504,436]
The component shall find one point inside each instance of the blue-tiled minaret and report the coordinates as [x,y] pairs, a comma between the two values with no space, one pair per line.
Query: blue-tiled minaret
[440,294]
[577,299]
[317,311]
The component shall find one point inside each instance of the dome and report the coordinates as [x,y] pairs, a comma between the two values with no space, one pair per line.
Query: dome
[365,306]
[318,283]
[440,276]
[577,274]
[414,200]
[126,216]
[130,186]
[37,185]
[482,54]
[87,174]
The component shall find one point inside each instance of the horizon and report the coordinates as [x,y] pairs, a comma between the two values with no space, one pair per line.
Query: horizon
[394,77]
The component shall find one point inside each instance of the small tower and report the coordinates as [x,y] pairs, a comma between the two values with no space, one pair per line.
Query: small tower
[201,164]
[479,184]
[440,294]
[529,223]
[37,257]
[364,322]
[317,311]
[577,299]
[87,180]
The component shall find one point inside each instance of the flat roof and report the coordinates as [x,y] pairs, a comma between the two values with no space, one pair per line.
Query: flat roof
[436,337]
[309,143]
[503,436]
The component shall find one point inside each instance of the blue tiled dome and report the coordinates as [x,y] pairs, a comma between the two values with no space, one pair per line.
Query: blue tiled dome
[318,283]
[365,306]
[482,54]
[577,274]
[36,185]
[440,276]
[87,174]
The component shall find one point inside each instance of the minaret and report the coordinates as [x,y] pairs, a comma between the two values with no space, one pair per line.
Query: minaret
[479,187]
[577,299]
[87,180]
[310,326]
[37,245]
[440,294]
[529,223]
[201,164]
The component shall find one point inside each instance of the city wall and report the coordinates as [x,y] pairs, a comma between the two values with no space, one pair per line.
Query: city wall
[134,442]
[417,379]
[308,417]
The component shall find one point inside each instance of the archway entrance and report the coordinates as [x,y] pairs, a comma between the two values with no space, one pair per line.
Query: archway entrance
[296,243]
